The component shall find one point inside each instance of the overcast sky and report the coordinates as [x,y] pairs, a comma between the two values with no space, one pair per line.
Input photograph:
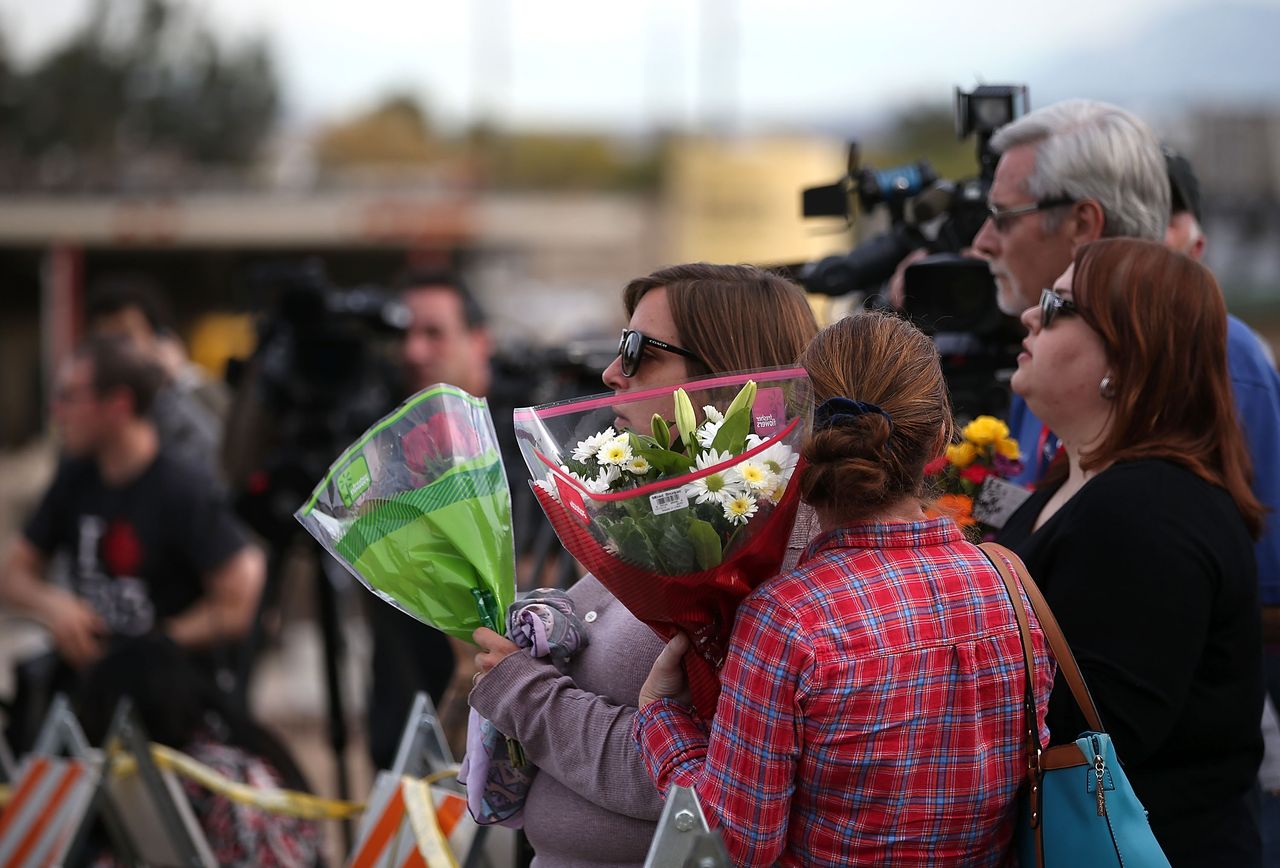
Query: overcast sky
[600,63]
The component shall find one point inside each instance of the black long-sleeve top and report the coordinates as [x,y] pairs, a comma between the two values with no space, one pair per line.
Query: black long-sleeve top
[1150,572]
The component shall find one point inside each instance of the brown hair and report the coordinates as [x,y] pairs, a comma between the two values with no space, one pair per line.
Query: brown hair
[733,317]
[118,364]
[1163,324]
[858,468]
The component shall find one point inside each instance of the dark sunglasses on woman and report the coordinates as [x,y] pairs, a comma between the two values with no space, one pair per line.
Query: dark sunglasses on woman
[631,350]
[1052,304]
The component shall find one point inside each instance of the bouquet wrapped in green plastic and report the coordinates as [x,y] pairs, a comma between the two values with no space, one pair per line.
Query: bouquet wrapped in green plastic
[419,511]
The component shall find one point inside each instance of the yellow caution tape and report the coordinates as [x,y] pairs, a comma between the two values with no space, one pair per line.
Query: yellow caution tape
[290,803]
[432,843]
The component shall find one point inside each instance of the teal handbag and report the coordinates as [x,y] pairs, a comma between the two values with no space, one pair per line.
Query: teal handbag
[1077,808]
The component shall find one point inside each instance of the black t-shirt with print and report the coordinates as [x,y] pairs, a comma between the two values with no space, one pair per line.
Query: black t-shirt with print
[138,552]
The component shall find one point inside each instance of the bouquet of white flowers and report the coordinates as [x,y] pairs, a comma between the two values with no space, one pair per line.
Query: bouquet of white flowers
[680,519]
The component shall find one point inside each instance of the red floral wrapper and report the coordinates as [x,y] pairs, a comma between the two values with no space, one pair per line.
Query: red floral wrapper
[680,546]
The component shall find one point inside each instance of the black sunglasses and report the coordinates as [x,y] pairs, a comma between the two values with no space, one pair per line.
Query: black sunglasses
[1052,304]
[631,350]
[1004,218]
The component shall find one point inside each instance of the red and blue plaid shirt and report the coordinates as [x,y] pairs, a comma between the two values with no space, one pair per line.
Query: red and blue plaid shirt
[872,709]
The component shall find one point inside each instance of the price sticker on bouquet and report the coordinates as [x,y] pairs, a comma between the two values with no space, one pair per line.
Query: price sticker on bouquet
[669,501]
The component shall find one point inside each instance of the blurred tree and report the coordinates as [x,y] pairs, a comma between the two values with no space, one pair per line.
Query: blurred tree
[141,82]
[568,161]
[395,133]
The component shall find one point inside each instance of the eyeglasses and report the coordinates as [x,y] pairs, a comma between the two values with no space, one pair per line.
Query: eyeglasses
[1004,218]
[1052,304]
[631,350]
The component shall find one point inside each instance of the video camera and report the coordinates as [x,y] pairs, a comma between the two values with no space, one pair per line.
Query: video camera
[321,373]
[949,296]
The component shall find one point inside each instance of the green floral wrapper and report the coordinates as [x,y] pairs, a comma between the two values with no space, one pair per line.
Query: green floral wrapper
[419,511]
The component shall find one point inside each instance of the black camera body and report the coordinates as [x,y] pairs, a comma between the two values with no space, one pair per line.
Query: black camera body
[320,375]
[949,296]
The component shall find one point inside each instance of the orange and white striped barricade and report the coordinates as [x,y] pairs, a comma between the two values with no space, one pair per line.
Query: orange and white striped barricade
[409,823]
[51,798]
[423,748]
[50,802]
[683,839]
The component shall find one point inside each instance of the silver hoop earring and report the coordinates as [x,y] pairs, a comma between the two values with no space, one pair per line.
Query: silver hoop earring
[1107,388]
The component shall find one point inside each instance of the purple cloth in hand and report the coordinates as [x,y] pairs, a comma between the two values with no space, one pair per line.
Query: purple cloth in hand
[544,624]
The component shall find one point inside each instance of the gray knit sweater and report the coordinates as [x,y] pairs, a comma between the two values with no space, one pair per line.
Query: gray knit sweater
[592,803]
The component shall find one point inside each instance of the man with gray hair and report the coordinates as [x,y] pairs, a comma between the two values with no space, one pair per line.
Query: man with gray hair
[1069,173]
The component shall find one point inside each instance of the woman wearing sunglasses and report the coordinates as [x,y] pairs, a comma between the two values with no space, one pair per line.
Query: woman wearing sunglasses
[592,802]
[1141,536]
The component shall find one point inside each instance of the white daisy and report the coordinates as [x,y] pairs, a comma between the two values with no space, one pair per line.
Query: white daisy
[615,451]
[739,509]
[548,485]
[756,475]
[638,465]
[586,449]
[712,414]
[717,486]
[779,458]
[707,433]
[608,476]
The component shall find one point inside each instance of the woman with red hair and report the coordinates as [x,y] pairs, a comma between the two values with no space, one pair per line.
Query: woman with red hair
[1141,536]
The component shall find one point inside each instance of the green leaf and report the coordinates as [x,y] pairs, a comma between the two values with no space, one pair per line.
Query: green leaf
[667,462]
[679,552]
[706,544]
[732,436]
[661,431]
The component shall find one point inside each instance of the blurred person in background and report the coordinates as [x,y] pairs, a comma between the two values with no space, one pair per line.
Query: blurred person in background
[592,803]
[190,408]
[149,542]
[180,708]
[1142,539]
[446,341]
[1256,387]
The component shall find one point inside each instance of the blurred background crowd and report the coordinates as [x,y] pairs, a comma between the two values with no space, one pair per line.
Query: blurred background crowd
[302,213]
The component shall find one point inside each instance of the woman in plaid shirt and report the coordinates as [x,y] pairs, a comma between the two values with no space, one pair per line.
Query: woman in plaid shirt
[872,699]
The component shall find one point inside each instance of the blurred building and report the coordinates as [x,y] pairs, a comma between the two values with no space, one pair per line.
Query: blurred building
[548,265]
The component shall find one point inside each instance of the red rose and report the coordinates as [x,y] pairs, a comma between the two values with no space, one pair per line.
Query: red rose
[442,438]
[975,473]
[120,549]
[936,466]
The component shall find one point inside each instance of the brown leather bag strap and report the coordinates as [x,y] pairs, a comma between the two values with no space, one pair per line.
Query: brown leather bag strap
[1052,632]
[1032,739]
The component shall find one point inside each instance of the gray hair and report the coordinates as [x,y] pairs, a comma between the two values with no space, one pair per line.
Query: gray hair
[1092,150]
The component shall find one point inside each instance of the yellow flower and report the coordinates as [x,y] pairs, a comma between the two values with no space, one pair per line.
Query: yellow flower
[985,430]
[1008,447]
[962,454]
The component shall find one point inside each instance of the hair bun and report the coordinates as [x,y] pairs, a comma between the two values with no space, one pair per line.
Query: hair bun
[846,466]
